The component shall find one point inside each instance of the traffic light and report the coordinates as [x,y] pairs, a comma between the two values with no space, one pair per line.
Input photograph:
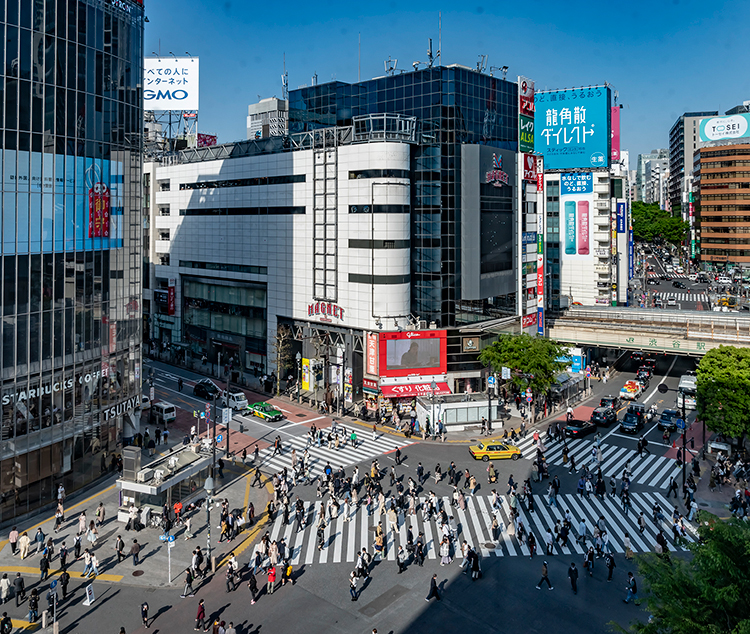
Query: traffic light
[692,443]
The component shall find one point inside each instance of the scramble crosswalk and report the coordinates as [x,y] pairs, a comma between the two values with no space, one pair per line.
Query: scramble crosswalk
[684,297]
[344,456]
[345,537]
[647,470]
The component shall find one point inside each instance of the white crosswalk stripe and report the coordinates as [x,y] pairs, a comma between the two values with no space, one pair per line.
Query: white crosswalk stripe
[344,456]
[344,539]
[683,297]
[647,470]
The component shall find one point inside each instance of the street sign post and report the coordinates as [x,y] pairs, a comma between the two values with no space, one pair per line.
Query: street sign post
[680,424]
[219,438]
[491,382]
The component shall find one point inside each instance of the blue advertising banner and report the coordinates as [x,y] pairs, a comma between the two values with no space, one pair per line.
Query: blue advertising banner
[576,183]
[631,255]
[540,322]
[529,237]
[573,127]
[620,217]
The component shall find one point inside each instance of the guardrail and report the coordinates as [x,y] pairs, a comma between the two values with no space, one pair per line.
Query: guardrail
[673,317]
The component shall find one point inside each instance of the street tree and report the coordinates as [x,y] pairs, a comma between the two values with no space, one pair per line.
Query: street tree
[282,346]
[723,397]
[650,221]
[533,360]
[706,593]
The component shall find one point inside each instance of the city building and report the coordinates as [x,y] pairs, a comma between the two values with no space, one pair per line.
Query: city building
[683,140]
[640,172]
[71,247]
[657,182]
[371,240]
[268,117]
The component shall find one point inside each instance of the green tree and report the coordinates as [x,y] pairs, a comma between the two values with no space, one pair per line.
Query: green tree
[724,390]
[532,360]
[706,594]
[649,222]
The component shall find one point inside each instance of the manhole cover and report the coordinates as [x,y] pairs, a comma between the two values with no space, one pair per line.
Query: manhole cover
[301,415]
[472,439]
[137,573]
[703,504]
[490,546]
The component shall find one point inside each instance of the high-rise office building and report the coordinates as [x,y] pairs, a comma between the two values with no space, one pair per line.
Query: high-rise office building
[683,140]
[640,172]
[71,243]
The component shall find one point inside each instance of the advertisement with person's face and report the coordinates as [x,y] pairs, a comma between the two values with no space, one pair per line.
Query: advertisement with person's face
[411,354]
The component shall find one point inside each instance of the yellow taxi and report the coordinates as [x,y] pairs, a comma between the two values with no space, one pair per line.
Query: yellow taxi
[494,450]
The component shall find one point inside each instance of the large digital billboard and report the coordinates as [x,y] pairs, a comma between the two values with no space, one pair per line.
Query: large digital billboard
[170,83]
[572,127]
[736,126]
[413,352]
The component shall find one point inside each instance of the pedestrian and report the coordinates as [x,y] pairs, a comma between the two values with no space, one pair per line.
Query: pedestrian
[100,514]
[4,588]
[188,590]
[609,561]
[135,550]
[433,589]
[144,614]
[353,585]
[119,548]
[200,617]
[24,543]
[64,581]
[545,578]
[33,606]
[573,576]
[271,579]
[252,585]
[19,589]
[39,538]
[632,589]
[43,568]
[13,540]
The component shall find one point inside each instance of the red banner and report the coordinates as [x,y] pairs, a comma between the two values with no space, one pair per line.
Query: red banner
[528,320]
[616,133]
[372,354]
[529,167]
[171,300]
[99,211]
[415,389]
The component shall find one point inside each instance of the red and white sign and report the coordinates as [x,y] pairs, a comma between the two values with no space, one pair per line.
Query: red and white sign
[414,389]
[325,310]
[526,96]
[529,168]
[496,176]
[206,140]
[99,204]
[370,386]
[528,320]
[371,351]
[171,296]
[413,353]
[539,174]
[112,337]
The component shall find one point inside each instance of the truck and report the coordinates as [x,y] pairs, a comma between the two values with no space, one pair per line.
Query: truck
[631,390]
[686,391]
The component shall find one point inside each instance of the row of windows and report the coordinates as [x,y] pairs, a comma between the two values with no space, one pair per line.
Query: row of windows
[707,164]
[723,186]
[379,209]
[724,218]
[246,182]
[379,244]
[706,197]
[379,173]
[245,211]
[726,252]
[216,266]
[706,240]
[707,208]
[709,153]
[724,175]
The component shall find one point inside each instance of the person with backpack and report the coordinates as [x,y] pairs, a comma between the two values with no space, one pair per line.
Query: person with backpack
[287,574]
[188,585]
[64,581]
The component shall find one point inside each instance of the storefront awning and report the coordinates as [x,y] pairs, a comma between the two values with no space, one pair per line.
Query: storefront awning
[414,389]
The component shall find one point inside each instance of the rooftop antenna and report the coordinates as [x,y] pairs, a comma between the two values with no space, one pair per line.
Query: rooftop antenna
[430,56]
[482,63]
[285,82]
[390,65]
[359,59]
[315,79]
[440,38]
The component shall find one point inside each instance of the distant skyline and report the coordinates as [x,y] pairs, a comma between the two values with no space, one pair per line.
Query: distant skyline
[663,58]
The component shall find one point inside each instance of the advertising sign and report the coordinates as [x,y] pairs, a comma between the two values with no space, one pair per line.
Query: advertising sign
[577,200]
[348,385]
[615,118]
[574,129]
[414,352]
[734,126]
[306,375]
[539,174]
[170,83]
[631,255]
[206,140]
[529,168]
[371,352]
[528,320]
[529,237]
[525,133]
[525,97]
[98,203]
[620,217]
[171,296]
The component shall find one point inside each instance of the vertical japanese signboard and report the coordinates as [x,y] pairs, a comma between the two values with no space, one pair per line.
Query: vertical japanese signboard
[371,353]
[172,296]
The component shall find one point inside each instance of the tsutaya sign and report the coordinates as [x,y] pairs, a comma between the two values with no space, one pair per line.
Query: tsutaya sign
[126,406]
[49,388]
[325,310]
[497,176]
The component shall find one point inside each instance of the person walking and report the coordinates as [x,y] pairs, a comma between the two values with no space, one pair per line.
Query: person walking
[271,579]
[43,568]
[100,514]
[33,606]
[573,576]
[188,590]
[632,589]
[252,585]
[609,561]
[545,578]
[24,543]
[13,540]
[64,581]
[39,538]
[433,589]
[135,551]
[200,617]
[353,585]
[144,614]
[19,589]
[119,548]
[4,588]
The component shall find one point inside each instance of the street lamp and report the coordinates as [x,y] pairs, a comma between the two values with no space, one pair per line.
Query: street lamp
[209,486]
[433,385]
[298,356]
[663,389]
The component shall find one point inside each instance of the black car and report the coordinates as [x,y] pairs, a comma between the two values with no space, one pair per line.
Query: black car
[643,378]
[610,401]
[637,409]
[603,416]
[667,420]
[648,369]
[579,428]
[631,424]
[206,388]
[652,280]
[678,284]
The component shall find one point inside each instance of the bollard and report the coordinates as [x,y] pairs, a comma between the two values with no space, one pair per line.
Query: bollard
[213,563]
[44,619]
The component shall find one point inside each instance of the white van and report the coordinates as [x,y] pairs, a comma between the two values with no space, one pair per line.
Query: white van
[164,412]
[237,400]
[724,280]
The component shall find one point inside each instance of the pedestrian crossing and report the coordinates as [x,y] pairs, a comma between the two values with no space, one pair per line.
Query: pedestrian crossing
[344,538]
[684,297]
[366,449]
[647,470]
[674,276]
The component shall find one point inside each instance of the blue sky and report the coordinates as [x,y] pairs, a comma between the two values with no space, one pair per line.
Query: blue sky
[665,57]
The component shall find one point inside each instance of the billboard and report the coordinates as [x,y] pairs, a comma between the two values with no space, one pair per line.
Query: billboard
[574,130]
[170,83]
[525,96]
[206,140]
[615,116]
[529,168]
[620,217]
[413,352]
[577,201]
[371,354]
[736,126]
[525,134]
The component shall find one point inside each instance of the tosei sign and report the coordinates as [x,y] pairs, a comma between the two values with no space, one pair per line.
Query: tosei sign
[170,84]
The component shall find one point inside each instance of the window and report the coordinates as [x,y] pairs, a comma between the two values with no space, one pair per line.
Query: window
[379,209]
[382,173]
[246,182]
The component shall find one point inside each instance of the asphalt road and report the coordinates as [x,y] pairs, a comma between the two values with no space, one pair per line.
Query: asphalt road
[693,297]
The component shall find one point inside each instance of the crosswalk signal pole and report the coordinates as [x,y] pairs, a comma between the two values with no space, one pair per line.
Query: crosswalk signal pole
[684,436]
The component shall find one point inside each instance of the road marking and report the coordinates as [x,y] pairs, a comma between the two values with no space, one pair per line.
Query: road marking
[29,570]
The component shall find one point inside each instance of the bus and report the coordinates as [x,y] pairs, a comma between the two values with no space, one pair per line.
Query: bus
[686,391]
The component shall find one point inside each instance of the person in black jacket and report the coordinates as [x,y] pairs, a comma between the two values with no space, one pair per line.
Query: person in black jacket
[573,576]
[433,589]
[20,588]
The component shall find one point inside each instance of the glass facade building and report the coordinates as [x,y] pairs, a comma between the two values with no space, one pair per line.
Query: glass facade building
[70,135]
[454,106]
